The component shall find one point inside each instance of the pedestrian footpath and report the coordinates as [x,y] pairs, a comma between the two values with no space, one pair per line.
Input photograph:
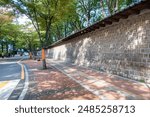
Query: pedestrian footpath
[105,86]
[52,84]
[63,81]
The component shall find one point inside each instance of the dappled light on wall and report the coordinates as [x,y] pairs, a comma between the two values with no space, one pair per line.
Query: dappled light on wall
[60,52]
[136,38]
[83,50]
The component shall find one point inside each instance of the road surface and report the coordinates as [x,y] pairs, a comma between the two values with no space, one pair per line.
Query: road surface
[11,78]
[9,71]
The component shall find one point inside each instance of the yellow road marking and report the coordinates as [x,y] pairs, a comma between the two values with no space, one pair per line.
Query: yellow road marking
[22,72]
[2,84]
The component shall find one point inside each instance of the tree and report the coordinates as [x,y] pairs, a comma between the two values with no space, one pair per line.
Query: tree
[6,17]
[82,13]
[28,40]
[68,23]
[9,35]
[42,14]
[109,7]
[87,10]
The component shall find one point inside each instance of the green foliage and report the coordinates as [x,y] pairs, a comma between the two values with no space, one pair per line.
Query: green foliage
[14,34]
[109,7]
[43,14]
[87,10]
[56,19]
[28,39]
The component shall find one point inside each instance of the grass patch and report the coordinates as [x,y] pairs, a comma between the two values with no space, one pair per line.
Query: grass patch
[142,80]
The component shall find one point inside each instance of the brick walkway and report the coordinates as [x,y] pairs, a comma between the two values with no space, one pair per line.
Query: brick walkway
[51,84]
[67,81]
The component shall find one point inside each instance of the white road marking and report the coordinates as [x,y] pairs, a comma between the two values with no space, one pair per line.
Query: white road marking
[26,83]
[7,63]
[6,91]
[20,60]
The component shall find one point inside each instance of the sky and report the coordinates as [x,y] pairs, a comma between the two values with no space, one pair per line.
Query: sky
[22,20]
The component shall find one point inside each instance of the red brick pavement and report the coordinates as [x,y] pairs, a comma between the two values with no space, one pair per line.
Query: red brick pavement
[123,84]
[105,85]
[56,83]
[51,84]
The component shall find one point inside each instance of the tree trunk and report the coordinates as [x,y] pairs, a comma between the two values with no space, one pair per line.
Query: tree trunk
[88,18]
[44,64]
[43,59]
[2,47]
[30,54]
[30,49]
[7,48]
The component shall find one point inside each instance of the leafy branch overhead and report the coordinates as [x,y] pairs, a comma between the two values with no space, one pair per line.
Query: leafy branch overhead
[56,19]
[42,14]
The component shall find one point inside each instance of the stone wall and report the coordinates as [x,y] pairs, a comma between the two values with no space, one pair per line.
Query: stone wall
[122,48]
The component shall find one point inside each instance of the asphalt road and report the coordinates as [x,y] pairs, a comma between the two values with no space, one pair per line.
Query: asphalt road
[9,71]
[11,84]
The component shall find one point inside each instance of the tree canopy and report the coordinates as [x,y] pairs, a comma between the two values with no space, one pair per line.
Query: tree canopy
[56,19]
